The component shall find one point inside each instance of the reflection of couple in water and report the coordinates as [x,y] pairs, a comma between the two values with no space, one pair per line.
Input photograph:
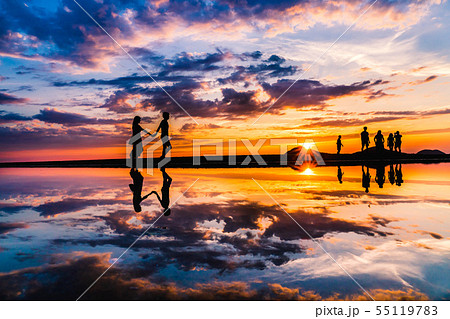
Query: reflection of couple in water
[136,188]
[138,179]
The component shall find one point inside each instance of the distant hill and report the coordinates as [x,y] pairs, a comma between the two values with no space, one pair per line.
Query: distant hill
[430,152]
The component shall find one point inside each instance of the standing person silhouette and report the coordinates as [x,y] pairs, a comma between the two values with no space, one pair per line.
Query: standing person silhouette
[164,127]
[391,174]
[136,188]
[340,174]
[379,141]
[398,175]
[390,141]
[164,200]
[365,139]
[136,140]
[380,177]
[365,179]
[339,144]
[398,142]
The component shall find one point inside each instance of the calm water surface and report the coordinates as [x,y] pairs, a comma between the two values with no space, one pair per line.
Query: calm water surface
[226,238]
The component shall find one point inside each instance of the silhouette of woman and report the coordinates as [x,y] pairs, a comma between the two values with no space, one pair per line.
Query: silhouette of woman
[340,174]
[164,200]
[379,141]
[390,141]
[136,140]
[365,179]
[398,142]
[136,188]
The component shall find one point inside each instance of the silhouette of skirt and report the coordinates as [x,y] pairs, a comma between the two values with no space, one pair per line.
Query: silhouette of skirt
[136,152]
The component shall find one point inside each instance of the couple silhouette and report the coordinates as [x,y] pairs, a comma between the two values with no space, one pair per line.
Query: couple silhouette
[135,174]
[136,139]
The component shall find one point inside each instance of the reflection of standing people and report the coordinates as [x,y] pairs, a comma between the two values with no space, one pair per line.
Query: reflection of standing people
[364,139]
[398,175]
[365,179]
[340,174]
[390,141]
[391,175]
[136,140]
[380,177]
[164,127]
[164,200]
[339,144]
[379,141]
[398,142]
[136,188]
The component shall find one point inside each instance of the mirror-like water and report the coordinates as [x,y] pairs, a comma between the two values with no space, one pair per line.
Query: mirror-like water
[225,238]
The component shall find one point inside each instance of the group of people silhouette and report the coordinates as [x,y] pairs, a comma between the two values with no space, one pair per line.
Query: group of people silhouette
[136,175]
[394,141]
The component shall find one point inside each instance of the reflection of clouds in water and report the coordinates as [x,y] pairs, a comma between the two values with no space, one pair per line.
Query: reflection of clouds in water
[69,274]
[231,235]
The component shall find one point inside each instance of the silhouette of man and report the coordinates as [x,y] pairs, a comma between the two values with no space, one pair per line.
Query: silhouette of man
[365,179]
[398,175]
[339,144]
[164,200]
[379,141]
[340,174]
[365,139]
[390,142]
[398,142]
[380,177]
[136,188]
[164,127]
[391,175]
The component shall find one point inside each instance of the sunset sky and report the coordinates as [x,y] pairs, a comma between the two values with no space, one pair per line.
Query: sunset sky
[67,91]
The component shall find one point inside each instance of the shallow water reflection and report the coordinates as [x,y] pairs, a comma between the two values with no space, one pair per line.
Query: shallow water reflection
[225,238]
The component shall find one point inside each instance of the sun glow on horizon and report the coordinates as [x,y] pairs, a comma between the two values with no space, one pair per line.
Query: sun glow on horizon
[308,172]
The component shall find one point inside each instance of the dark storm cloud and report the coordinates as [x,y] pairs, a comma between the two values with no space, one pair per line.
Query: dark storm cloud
[6,98]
